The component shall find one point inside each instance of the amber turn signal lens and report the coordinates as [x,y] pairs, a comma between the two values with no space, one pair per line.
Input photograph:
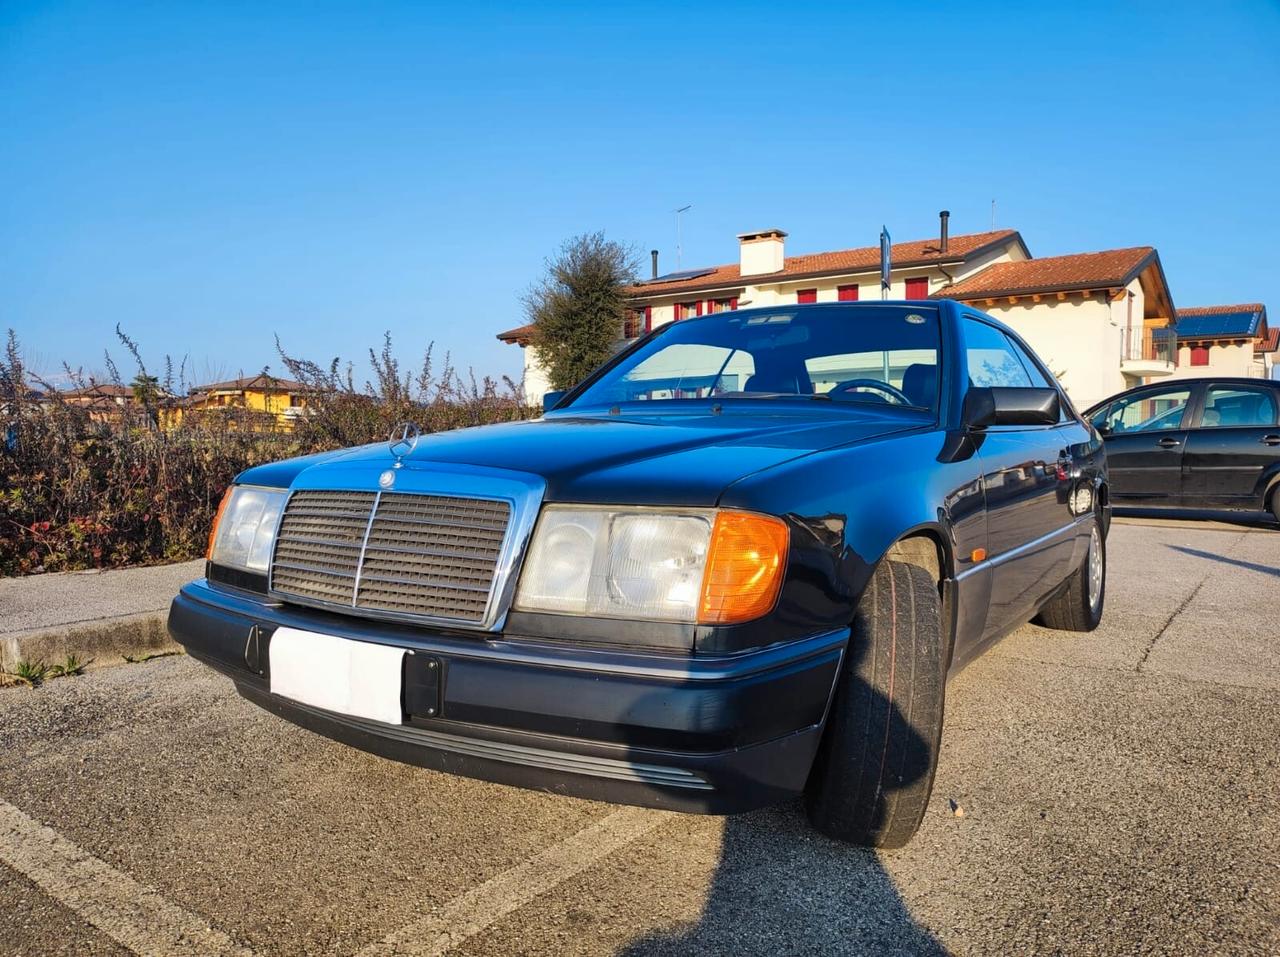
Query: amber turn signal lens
[217,517]
[745,565]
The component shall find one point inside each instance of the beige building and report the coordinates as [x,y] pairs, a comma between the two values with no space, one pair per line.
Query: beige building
[1226,341]
[1102,321]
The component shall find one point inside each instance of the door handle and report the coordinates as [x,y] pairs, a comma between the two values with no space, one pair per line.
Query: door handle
[1271,440]
[1168,443]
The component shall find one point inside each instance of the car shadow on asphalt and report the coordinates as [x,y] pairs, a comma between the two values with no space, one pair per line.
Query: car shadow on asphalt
[780,887]
[1273,570]
[1240,519]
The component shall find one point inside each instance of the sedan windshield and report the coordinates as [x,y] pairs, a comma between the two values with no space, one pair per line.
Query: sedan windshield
[882,355]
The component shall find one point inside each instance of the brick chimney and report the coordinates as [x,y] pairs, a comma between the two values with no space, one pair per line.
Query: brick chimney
[761,252]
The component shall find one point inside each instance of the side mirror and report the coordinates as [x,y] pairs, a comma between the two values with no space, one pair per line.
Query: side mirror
[1004,406]
[551,399]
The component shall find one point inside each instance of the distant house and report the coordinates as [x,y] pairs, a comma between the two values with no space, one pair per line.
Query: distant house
[106,402]
[765,276]
[263,401]
[1226,341]
[1104,321]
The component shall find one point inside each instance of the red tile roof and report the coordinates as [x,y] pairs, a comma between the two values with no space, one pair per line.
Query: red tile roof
[1111,267]
[100,390]
[1269,343]
[1221,310]
[863,259]
[518,334]
[258,382]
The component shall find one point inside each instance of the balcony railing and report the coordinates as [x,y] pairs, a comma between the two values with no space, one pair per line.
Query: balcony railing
[1150,345]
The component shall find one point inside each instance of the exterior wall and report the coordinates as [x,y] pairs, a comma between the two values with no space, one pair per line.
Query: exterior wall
[774,293]
[274,403]
[536,383]
[1235,359]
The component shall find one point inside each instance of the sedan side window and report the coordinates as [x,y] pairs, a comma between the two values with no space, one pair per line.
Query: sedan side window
[1153,411]
[1241,406]
[991,359]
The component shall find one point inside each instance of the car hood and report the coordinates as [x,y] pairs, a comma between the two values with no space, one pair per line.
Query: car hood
[668,458]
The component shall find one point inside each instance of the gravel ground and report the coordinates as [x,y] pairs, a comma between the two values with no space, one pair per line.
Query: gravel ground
[1120,791]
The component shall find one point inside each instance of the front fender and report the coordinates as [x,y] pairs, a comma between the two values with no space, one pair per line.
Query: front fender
[870,496]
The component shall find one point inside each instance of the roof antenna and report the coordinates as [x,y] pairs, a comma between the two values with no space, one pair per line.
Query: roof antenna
[993,215]
[679,212]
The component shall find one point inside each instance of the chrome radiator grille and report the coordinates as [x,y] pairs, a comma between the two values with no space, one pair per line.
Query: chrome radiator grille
[411,555]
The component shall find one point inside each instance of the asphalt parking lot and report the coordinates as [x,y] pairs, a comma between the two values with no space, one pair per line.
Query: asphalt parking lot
[1120,790]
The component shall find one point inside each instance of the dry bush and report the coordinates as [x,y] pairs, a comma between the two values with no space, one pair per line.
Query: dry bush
[78,493]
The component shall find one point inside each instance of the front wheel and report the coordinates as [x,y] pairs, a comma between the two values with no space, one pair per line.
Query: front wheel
[874,770]
[1078,607]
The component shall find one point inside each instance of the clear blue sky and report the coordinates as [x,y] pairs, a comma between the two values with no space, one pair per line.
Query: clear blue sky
[210,174]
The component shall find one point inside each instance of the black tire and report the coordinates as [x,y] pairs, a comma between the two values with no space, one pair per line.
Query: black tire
[1075,608]
[874,770]
[1275,503]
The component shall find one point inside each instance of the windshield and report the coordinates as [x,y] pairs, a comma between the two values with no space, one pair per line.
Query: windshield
[880,355]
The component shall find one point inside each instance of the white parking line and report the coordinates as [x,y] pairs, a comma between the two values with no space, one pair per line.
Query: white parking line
[485,905]
[132,915]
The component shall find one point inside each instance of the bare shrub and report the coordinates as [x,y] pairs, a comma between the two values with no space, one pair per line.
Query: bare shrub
[140,484]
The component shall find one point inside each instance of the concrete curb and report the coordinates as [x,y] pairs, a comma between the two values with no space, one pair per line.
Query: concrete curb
[102,642]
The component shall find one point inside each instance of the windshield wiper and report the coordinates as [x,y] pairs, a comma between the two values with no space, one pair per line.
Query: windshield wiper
[813,397]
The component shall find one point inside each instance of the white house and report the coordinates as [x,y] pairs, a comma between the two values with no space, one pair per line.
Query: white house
[1102,321]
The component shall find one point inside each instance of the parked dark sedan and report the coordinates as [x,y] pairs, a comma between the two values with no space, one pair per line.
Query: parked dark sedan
[735,565]
[1194,443]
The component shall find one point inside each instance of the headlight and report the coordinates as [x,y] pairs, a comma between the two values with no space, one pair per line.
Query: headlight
[245,527]
[691,565]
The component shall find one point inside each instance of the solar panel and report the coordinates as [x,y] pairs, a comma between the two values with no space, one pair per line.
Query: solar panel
[684,274]
[1219,324]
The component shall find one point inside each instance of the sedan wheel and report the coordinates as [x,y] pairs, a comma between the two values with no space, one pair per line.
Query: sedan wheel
[874,771]
[1078,606]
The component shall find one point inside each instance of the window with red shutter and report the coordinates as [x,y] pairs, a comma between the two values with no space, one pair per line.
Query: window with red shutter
[1199,355]
[806,295]
[847,293]
[918,288]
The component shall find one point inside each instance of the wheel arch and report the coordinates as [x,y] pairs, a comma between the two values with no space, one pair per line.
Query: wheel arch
[926,546]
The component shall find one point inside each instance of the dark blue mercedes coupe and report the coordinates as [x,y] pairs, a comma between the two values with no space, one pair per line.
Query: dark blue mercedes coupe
[733,567]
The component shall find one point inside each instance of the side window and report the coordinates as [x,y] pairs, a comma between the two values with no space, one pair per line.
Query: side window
[1155,410]
[1038,378]
[1067,411]
[990,357]
[1241,406]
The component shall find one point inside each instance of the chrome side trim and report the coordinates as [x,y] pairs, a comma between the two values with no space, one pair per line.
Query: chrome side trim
[1012,553]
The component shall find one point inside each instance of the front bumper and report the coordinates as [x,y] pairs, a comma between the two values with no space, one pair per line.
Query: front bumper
[703,734]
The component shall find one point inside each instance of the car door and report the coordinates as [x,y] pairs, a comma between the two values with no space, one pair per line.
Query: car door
[1235,440]
[1145,432]
[1025,479]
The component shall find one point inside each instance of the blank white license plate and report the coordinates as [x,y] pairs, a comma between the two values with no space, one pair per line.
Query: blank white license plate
[337,674]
